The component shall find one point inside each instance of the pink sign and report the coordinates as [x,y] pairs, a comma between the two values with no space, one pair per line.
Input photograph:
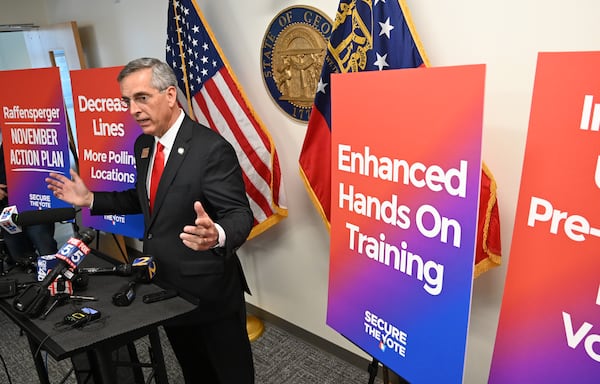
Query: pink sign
[549,328]
[406,165]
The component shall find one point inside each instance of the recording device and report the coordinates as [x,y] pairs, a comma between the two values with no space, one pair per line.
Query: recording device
[81,317]
[10,287]
[12,221]
[145,269]
[159,296]
[33,299]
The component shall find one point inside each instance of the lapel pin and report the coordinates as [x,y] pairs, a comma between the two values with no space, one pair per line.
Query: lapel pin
[145,152]
[180,150]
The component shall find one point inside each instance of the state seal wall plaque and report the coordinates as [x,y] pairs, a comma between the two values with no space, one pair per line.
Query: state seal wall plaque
[293,51]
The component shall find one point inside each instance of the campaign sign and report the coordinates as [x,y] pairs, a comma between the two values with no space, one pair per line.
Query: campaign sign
[549,326]
[106,133]
[34,136]
[406,170]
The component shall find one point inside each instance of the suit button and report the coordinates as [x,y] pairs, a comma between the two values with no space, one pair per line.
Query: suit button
[149,237]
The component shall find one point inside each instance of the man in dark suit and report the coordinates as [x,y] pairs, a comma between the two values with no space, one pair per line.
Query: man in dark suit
[198,219]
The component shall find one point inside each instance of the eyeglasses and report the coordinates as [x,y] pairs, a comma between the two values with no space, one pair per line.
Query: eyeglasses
[140,98]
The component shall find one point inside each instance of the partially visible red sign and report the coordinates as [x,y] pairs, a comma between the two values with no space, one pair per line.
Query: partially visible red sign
[550,318]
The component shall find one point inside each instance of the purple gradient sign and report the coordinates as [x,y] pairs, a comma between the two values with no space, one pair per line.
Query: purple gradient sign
[106,133]
[34,136]
[406,166]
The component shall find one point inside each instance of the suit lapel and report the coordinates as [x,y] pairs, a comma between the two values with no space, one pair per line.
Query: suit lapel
[146,146]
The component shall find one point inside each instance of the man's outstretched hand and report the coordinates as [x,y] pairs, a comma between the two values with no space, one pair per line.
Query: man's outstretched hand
[203,234]
[73,190]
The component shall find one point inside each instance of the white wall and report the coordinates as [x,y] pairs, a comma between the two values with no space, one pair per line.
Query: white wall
[288,266]
[13,55]
[23,12]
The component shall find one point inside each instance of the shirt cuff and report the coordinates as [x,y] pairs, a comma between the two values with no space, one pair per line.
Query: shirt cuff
[221,239]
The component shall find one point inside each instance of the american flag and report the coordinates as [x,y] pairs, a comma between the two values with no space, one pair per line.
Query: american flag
[376,35]
[210,93]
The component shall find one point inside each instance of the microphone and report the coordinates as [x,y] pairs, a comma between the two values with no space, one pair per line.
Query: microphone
[70,255]
[145,269]
[11,220]
[125,295]
[119,270]
[6,220]
[43,216]
[33,299]
[141,265]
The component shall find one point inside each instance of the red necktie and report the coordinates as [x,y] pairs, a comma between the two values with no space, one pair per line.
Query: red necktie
[157,170]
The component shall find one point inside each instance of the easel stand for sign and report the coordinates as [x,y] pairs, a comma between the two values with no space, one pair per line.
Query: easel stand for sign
[373,368]
[123,253]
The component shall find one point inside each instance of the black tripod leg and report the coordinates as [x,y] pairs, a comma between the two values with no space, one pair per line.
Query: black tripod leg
[373,370]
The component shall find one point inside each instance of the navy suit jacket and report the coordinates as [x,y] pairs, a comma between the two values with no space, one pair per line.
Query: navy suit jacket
[202,166]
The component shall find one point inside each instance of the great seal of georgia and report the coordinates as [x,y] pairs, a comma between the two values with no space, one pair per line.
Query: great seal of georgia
[293,51]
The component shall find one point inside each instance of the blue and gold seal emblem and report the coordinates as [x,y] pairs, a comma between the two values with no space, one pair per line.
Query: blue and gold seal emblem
[293,51]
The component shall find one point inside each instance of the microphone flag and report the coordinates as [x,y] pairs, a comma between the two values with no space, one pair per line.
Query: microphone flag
[6,220]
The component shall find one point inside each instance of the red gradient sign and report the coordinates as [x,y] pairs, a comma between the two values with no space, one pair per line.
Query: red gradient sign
[549,328]
[34,135]
[406,165]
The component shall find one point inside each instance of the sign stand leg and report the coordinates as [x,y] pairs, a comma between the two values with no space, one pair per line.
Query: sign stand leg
[374,366]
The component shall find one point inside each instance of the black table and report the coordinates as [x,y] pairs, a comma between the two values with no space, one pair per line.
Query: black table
[117,328]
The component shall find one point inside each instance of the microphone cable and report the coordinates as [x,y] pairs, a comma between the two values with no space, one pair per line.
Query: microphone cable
[5,369]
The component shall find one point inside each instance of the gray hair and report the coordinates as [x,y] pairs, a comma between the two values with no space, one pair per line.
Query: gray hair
[162,75]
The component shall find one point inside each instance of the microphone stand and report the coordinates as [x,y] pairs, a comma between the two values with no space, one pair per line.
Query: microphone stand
[27,263]
[3,255]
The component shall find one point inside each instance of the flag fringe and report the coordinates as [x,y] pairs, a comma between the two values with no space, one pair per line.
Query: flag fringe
[492,260]
[413,32]
[268,223]
[315,199]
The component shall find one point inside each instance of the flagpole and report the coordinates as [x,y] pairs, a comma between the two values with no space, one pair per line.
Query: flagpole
[183,67]
[255,327]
